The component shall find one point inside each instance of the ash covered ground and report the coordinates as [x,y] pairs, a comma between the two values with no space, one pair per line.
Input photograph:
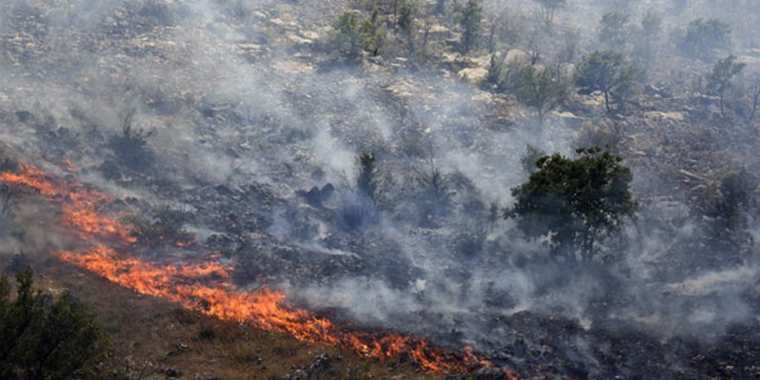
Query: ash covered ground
[236,127]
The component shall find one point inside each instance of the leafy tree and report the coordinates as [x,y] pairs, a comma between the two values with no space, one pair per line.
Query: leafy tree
[407,12]
[703,38]
[44,338]
[348,34]
[373,33]
[495,71]
[613,30]
[608,72]
[548,9]
[541,88]
[721,79]
[472,18]
[576,203]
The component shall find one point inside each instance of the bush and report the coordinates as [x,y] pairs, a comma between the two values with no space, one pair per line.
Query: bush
[130,147]
[42,337]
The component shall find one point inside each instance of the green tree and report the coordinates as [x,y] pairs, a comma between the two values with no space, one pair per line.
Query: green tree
[608,72]
[720,81]
[44,338]
[472,18]
[541,88]
[613,30]
[348,37]
[373,33]
[576,203]
[407,13]
[704,38]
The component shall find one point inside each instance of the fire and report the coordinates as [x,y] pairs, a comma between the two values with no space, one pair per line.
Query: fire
[207,289]
[80,204]
[30,177]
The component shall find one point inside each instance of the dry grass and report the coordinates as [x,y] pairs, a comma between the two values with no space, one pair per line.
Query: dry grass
[151,335]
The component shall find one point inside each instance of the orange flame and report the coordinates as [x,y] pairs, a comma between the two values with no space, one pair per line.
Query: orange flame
[206,288]
[30,177]
[80,210]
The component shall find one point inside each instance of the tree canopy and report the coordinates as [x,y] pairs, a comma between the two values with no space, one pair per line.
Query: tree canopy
[608,72]
[575,202]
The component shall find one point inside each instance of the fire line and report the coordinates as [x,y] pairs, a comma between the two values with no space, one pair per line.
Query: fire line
[207,287]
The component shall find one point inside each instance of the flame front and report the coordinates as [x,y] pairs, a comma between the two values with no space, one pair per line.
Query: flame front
[207,287]
[80,204]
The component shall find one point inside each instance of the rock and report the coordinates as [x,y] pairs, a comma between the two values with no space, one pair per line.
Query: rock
[474,75]
[489,374]
[172,373]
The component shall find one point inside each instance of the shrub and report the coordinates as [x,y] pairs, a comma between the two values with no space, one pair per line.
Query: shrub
[42,337]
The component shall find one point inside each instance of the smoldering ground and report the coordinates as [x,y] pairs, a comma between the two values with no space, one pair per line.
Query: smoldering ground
[247,106]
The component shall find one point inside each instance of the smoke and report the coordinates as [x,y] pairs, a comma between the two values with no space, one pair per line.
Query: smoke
[238,103]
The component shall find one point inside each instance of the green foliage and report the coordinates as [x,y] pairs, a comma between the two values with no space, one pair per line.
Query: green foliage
[721,78]
[407,12]
[373,33]
[608,72]
[495,71]
[613,30]
[575,202]
[541,88]
[348,36]
[704,38]
[44,338]
[472,18]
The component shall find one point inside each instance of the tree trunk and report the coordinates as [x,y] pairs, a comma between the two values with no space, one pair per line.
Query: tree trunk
[607,101]
[722,107]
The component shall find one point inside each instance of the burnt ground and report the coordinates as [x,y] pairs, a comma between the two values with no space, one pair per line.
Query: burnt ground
[256,127]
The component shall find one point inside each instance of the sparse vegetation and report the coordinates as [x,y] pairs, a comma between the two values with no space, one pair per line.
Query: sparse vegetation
[610,73]
[165,226]
[471,23]
[721,79]
[541,88]
[614,30]
[704,39]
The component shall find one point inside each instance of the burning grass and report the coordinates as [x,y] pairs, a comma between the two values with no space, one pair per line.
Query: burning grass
[207,288]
